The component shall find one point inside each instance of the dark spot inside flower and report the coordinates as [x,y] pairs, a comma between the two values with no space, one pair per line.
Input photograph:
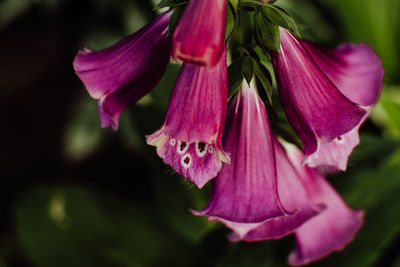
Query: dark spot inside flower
[339,138]
[182,146]
[186,160]
[201,146]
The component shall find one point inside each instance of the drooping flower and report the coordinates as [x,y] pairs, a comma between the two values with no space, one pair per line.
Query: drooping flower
[123,73]
[253,189]
[293,196]
[330,230]
[190,138]
[326,95]
[199,35]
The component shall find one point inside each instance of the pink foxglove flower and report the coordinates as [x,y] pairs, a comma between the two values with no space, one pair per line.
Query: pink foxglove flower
[293,196]
[320,235]
[190,138]
[329,231]
[326,95]
[253,189]
[123,73]
[199,35]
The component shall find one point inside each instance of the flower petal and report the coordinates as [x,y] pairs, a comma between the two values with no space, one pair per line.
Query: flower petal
[245,191]
[355,70]
[293,197]
[316,109]
[330,230]
[330,158]
[194,123]
[199,36]
[197,161]
[333,156]
[125,72]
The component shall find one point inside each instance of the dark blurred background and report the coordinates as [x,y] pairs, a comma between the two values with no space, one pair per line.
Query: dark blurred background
[73,194]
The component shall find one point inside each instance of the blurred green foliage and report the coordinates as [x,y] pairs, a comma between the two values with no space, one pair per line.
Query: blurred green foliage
[77,223]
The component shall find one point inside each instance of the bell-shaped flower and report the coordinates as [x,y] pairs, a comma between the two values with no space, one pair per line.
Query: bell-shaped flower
[123,73]
[329,231]
[253,189]
[293,196]
[190,138]
[326,95]
[199,35]
[319,235]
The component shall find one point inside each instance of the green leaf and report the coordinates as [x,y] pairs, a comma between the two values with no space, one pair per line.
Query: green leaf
[235,78]
[266,33]
[241,68]
[264,78]
[247,68]
[280,18]
[231,21]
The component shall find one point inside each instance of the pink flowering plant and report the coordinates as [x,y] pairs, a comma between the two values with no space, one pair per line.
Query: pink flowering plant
[258,115]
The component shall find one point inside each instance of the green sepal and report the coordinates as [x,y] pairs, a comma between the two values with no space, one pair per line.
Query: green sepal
[170,3]
[266,33]
[247,69]
[241,69]
[263,76]
[235,78]
[232,19]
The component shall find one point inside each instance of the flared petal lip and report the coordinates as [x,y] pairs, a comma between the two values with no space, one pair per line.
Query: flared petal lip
[157,138]
[360,214]
[318,207]
[223,219]
[93,93]
[343,166]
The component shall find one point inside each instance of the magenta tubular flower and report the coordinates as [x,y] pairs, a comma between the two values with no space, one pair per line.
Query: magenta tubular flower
[321,233]
[199,35]
[293,196]
[123,73]
[326,95]
[329,231]
[190,138]
[245,192]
